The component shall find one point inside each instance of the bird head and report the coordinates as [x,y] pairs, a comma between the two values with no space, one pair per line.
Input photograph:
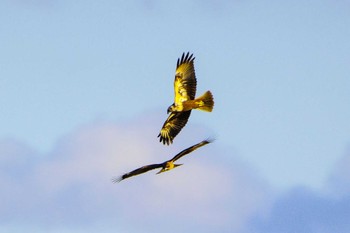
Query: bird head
[171,108]
[168,166]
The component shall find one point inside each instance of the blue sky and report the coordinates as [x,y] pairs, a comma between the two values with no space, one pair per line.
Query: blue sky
[84,88]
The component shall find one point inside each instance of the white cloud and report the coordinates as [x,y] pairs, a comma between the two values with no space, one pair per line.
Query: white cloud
[71,186]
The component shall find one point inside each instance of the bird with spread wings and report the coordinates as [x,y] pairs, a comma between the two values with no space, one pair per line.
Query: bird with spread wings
[166,166]
[185,85]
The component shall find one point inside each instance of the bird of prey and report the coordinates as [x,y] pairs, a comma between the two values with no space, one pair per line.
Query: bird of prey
[166,166]
[185,85]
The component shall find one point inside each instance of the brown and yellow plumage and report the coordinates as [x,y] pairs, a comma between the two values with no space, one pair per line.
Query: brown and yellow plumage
[185,85]
[166,166]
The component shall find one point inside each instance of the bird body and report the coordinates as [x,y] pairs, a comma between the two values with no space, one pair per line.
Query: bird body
[165,166]
[204,103]
[168,166]
[185,85]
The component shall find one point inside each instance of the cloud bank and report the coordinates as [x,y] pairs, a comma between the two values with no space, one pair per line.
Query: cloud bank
[70,188]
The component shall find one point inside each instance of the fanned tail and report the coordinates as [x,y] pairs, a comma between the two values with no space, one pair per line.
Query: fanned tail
[205,102]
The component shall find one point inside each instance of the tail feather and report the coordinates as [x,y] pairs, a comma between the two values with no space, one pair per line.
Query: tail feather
[206,102]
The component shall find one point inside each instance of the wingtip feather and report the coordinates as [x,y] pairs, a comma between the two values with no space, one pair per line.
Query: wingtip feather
[185,58]
[165,140]
[117,179]
[209,140]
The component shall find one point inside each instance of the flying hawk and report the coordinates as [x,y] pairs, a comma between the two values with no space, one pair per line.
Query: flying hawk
[185,85]
[166,166]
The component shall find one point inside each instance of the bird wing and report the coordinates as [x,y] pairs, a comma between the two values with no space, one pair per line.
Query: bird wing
[185,82]
[190,149]
[137,171]
[172,126]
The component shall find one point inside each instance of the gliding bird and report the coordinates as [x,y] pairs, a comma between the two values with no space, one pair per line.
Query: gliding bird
[166,166]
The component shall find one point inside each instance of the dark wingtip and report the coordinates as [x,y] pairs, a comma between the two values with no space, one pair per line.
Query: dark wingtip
[185,58]
[169,141]
[117,179]
[187,55]
[165,140]
[188,58]
[209,140]
[161,138]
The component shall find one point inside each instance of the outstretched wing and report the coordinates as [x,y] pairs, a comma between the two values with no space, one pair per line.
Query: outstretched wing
[172,126]
[185,83]
[137,171]
[190,149]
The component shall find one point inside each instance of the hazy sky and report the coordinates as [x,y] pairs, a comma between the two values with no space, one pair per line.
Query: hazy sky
[84,88]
